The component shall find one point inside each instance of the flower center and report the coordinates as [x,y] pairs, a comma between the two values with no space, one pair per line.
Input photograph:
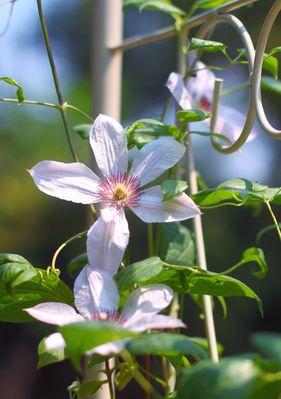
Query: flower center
[112,316]
[205,104]
[120,191]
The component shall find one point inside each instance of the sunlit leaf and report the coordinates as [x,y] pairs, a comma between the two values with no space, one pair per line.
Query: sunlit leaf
[165,345]
[23,286]
[172,188]
[177,244]
[232,378]
[138,272]
[206,45]
[12,82]
[192,115]
[83,130]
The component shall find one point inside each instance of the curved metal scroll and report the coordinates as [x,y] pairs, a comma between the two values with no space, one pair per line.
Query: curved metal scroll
[250,53]
[257,72]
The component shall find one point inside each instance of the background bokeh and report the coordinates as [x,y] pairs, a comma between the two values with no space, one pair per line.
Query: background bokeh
[33,225]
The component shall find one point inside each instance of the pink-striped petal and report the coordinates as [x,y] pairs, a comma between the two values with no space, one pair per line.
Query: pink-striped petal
[155,158]
[107,240]
[68,181]
[110,348]
[54,342]
[54,313]
[176,86]
[146,301]
[95,293]
[201,86]
[109,144]
[153,322]
[231,123]
[151,208]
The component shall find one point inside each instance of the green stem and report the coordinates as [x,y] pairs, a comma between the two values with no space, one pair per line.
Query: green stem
[55,78]
[70,106]
[63,245]
[31,102]
[109,379]
[274,219]
[234,267]
[47,104]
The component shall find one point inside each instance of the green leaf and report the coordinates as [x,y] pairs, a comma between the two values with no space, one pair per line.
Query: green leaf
[84,336]
[138,272]
[177,245]
[206,45]
[83,130]
[271,84]
[165,345]
[77,263]
[275,50]
[208,283]
[206,4]
[192,115]
[172,188]
[124,375]
[143,130]
[238,191]
[12,82]
[48,356]
[232,378]
[256,255]
[23,286]
[88,387]
[270,64]
[164,6]
[268,344]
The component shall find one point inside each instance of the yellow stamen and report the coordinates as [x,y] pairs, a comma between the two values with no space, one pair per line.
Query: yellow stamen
[120,192]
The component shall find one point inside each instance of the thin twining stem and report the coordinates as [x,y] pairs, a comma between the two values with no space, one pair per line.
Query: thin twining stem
[48,105]
[267,203]
[56,80]
[64,244]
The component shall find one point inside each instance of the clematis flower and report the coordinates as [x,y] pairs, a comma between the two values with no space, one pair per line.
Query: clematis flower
[97,298]
[117,188]
[197,92]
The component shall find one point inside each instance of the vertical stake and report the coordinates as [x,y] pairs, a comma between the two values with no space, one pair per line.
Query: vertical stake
[107,32]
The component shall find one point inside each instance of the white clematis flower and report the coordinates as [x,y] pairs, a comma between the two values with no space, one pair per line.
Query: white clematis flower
[97,298]
[117,188]
[197,92]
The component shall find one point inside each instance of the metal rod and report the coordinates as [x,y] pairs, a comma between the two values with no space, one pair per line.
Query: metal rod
[240,29]
[200,248]
[216,103]
[107,31]
[170,31]
[257,72]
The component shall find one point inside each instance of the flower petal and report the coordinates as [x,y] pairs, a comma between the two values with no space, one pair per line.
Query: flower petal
[54,313]
[176,85]
[231,123]
[54,341]
[155,158]
[95,292]
[107,240]
[201,86]
[68,181]
[145,301]
[153,322]
[110,348]
[108,141]
[151,208]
